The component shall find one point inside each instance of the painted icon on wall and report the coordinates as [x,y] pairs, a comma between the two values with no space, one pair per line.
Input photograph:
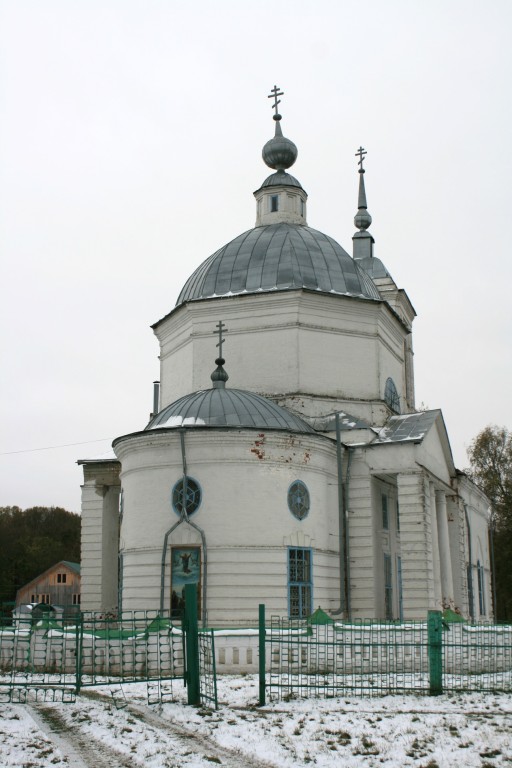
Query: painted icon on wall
[185,569]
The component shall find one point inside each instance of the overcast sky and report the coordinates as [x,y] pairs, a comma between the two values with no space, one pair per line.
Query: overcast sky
[130,145]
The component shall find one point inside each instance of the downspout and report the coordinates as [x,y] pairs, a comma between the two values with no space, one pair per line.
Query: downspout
[184,518]
[341,520]
[470,568]
[347,538]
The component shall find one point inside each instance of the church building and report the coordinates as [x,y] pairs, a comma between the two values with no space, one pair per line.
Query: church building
[285,462]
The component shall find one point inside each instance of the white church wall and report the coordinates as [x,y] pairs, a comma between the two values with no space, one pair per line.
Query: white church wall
[433,454]
[244,515]
[285,342]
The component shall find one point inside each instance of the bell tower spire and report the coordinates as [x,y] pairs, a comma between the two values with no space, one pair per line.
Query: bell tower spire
[363,240]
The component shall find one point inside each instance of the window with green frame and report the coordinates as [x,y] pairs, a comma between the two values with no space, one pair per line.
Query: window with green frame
[300,582]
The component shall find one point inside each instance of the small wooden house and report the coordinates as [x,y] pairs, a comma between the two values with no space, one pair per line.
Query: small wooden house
[58,585]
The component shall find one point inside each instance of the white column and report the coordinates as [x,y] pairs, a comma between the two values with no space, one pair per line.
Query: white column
[444,550]
[436,564]
[415,544]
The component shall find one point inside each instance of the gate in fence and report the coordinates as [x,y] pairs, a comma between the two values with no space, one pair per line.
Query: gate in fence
[52,661]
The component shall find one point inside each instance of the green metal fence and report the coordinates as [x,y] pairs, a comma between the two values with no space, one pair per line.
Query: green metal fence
[322,658]
[54,661]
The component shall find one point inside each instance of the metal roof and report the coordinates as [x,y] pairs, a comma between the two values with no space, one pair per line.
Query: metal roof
[374,267]
[234,408]
[409,427]
[279,257]
[281,179]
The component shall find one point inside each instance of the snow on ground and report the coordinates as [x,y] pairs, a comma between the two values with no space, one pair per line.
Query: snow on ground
[394,731]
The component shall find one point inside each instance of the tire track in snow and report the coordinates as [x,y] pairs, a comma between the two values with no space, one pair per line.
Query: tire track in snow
[201,745]
[80,749]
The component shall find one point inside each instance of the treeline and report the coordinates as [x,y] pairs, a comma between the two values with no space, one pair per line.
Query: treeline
[32,540]
[490,455]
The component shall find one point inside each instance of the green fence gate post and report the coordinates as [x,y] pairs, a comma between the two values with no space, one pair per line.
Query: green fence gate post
[262,653]
[192,644]
[435,652]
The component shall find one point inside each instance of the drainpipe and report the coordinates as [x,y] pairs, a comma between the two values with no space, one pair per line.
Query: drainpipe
[341,520]
[347,538]
[184,518]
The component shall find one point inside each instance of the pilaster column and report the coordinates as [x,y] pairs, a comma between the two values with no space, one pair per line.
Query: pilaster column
[415,544]
[436,562]
[100,533]
[444,550]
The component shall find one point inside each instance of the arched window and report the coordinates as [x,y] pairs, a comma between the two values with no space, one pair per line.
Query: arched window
[391,397]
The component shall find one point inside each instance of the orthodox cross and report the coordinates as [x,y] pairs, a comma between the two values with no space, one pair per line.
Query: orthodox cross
[275,92]
[220,329]
[361,152]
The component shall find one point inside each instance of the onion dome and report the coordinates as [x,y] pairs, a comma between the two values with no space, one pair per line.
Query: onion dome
[279,153]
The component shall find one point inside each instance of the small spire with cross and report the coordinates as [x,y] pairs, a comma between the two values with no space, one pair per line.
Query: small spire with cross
[274,93]
[220,328]
[219,376]
[361,153]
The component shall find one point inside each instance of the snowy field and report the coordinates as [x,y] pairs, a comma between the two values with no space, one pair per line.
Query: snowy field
[426,732]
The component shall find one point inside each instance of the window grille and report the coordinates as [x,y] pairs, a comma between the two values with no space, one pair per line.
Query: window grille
[391,397]
[193,496]
[299,582]
[298,499]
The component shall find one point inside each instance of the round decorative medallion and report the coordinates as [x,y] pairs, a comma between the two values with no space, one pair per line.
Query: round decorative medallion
[298,499]
[193,496]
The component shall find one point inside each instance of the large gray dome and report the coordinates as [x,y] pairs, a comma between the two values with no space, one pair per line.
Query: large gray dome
[233,408]
[278,257]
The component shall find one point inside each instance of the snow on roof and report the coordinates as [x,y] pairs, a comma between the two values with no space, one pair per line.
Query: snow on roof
[347,422]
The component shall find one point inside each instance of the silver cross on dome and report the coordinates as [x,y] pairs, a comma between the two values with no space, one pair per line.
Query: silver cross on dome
[220,328]
[274,93]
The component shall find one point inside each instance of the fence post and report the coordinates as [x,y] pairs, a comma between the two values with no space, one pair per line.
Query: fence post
[262,653]
[192,644]
[79,640]
[435,652]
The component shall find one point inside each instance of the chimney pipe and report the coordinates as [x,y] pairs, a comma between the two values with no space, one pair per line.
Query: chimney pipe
[156,397]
